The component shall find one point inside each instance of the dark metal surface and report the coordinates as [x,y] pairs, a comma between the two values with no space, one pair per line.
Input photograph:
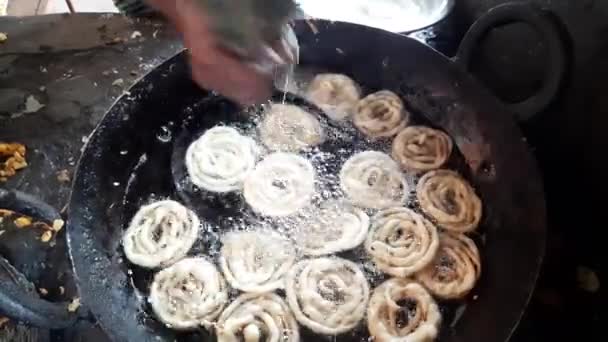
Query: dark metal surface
[13,279]
[570,145]
[431,84]
[25,306]
[568,138]
[539,20]
[15,302]
[28,205]
[75,66]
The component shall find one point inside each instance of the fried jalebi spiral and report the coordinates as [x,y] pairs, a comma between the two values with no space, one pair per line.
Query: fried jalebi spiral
[160,234]
[449,200]
[257,318]
[401,242]
[327,295]
[290,128]
[372,179]
[336,227]
[336,94]
[188,294]
[455,269]
[391,315]
[220,159]
[280,185]
[380,115]
[256,261]
[419,148]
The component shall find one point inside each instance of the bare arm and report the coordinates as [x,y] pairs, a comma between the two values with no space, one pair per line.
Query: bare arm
[212,67]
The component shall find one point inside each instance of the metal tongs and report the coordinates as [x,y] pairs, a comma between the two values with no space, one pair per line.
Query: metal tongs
[256,31]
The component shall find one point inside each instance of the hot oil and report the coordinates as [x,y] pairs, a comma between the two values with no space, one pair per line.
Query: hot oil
[163,175]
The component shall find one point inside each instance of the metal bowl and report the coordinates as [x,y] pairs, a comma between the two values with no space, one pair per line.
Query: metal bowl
[401,16]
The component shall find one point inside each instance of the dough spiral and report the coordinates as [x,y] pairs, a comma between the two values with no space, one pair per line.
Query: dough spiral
[390,319]
[419,148]
[455,270]
[256,261]
[449,200]
[336,227]
[328,295]
[401,241]
[336,94]
[188,294]
[220,159]
[380,114]
[257,318]
[280,185]
[372,179]
[160,234]
[289,128]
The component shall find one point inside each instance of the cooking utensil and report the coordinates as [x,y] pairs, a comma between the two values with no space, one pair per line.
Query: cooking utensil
[138,132]
[397,16]
[547,26]
[440,90]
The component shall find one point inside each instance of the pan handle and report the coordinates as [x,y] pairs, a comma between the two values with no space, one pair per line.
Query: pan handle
[537,18]
[24,306]
[16,302]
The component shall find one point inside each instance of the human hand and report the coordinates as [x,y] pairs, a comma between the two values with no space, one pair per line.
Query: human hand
[212,67]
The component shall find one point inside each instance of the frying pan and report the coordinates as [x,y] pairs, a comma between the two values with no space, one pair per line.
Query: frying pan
[139,131]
